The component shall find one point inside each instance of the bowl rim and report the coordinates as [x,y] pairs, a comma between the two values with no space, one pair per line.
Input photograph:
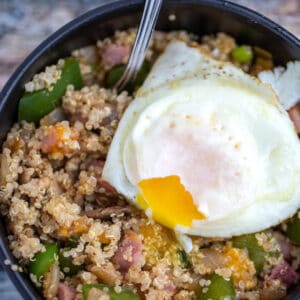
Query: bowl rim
[105,8]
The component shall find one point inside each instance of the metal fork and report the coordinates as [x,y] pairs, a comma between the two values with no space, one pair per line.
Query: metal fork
[140,46]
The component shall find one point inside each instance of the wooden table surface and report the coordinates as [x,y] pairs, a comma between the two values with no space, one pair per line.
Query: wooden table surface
[25,23]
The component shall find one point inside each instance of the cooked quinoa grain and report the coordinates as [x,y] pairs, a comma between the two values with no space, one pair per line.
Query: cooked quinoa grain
[45,79]
[52,193]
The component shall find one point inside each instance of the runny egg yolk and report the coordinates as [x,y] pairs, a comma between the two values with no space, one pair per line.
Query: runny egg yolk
[170,203]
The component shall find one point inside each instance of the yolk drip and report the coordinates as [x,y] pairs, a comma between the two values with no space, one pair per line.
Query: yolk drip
[171,204]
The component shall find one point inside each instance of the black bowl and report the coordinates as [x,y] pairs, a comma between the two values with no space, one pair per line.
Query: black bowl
[198,16]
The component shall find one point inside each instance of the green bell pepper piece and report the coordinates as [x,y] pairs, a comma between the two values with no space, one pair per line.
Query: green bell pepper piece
[142,74]
[125,294]
[242,54]
[219,289]
[256,253]
[115,73]
[293,230]
[43,260]
[33,106]
[184,260]
[72,242]
[66,264]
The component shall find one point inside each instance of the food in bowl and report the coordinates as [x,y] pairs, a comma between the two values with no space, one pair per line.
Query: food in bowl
[171,189]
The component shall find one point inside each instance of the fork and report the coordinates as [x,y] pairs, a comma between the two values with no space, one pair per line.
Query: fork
[140,45]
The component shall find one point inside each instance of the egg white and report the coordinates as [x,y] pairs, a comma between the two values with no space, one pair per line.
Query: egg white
[231,110]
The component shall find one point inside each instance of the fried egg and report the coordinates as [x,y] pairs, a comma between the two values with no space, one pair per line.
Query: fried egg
[206,149]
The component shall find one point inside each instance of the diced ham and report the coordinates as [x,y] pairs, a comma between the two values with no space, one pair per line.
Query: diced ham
[114,54]
[285,273]
[170,287]
[50,140]
[294,114]
[286,247]
[65,292]
[98,164]
[101,184]
[129,253]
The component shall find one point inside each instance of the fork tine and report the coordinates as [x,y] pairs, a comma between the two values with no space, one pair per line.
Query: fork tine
[140,46]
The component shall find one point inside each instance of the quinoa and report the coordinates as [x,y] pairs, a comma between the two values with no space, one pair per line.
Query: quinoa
[52,190]
[46,79]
